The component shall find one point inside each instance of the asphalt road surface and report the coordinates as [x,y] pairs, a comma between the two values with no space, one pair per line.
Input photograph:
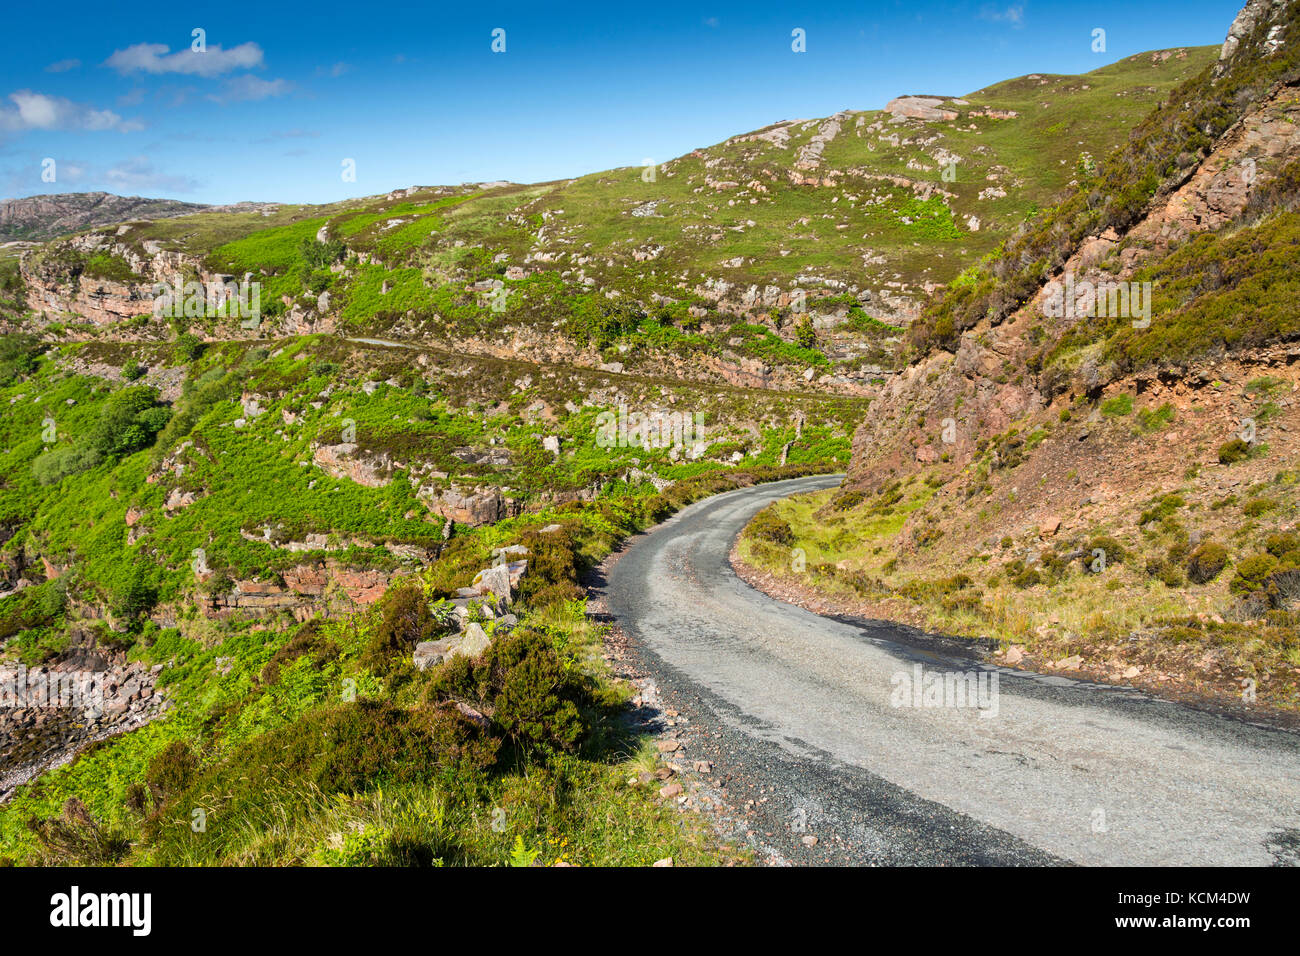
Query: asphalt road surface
[847,731]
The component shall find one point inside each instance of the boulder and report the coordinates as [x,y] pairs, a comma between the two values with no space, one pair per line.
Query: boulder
[430,653]
[471,642]
[473,716]
[499,580]
[341,461]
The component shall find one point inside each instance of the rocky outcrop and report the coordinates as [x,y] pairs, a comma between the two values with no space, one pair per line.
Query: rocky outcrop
[58,284]
[1245,157]
[927,108]
[810,155]
[306,590]
[473,507]
[492,591]
[320,541]
[1251,16]
[98,301]
[986,379]
[343,461]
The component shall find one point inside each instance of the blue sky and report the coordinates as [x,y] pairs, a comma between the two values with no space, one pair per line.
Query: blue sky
[414,94]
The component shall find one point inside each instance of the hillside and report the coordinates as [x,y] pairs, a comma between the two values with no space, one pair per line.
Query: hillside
[1111,493]
[803,249]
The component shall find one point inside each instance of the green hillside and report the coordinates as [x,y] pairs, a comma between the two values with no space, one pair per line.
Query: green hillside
[861,213]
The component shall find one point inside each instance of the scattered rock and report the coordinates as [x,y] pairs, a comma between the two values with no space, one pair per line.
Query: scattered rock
[476,718]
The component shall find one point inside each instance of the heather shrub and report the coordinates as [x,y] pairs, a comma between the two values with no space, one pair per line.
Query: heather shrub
[1206,562]
[553,569]
[404,621]
[532,697]
[1252,573]
[1233,451]
[766,526]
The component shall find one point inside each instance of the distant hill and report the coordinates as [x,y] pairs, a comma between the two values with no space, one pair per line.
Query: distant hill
[44,217]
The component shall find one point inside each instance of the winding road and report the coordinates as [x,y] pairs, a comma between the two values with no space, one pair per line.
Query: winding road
[815,721]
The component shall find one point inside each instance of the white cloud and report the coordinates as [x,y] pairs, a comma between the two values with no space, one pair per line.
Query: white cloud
[40,111]
[62,66]
[1014,14]
[138,173]
[129,176]
[248,87]
[73,172]
[214,61]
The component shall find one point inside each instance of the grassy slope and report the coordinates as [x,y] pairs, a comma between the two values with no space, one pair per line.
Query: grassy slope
[260,475]
[963,554]
[760,230]
[412,799]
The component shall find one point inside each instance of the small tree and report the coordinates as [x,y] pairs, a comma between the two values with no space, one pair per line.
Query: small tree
[804,333]
[188,347]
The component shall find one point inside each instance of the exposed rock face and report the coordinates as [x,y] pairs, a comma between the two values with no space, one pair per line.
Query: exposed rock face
[475,507]
[1248,18]
[741,372]
[99,301]
[1219,190]
[57,286]
[306,589]
[320,541]
[810,156]
[927,108]
[341,461]
[975,378]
